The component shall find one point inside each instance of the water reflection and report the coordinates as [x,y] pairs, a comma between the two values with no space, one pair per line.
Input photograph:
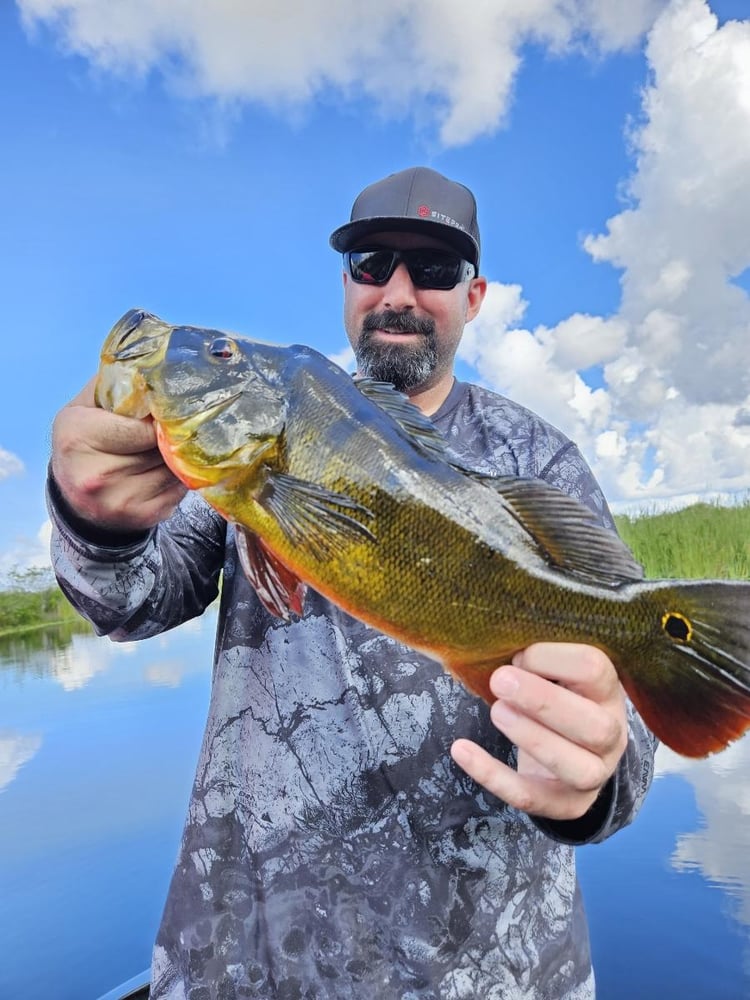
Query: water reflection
[98,744]
[34,651]
[720,848]
[16,749]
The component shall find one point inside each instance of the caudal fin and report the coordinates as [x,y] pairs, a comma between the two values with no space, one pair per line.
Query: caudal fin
[692,686]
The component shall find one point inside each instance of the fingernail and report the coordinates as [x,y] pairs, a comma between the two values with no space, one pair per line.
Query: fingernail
[503,683]
[462,753]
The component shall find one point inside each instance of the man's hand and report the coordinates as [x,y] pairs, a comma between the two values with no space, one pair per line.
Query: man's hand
[562,705]
[108,467]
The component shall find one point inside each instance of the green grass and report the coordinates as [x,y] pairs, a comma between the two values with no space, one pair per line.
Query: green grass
[702,541]
[33,601]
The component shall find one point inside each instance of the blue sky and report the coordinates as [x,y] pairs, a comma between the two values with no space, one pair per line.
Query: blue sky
[192,158]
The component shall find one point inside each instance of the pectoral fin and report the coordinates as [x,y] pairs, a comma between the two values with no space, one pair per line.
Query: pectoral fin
[278,589]
[313,516]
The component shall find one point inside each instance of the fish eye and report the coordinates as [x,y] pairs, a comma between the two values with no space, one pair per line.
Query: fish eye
[222,347]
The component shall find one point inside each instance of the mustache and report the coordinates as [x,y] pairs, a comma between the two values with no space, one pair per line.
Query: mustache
[400,322]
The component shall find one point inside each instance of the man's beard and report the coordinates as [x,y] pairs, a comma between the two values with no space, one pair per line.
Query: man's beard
[406,365]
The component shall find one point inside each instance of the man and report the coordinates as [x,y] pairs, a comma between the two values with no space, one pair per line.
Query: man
[361,826]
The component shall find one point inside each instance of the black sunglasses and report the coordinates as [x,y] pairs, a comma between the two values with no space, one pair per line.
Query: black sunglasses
[427,268]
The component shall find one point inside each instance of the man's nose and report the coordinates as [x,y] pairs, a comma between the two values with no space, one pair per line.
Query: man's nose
[399,292]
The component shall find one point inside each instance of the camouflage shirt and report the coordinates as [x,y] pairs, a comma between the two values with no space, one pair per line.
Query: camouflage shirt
[332,848]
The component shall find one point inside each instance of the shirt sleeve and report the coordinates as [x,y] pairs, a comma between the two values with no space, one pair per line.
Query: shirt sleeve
[132,587]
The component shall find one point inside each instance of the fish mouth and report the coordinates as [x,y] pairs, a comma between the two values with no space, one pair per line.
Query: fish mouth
[140,348]
[135,336]
[134,346]
[184,423]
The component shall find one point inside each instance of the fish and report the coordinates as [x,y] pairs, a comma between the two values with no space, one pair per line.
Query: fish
[342,485]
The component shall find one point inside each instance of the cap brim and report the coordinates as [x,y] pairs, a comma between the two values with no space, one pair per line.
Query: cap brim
[352,234]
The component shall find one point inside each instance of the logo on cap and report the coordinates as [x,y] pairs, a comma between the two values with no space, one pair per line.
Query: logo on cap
[424,211]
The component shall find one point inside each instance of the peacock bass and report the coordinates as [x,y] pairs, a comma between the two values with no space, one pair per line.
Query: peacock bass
[344,486]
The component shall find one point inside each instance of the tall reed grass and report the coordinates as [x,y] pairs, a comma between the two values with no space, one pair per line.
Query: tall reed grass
[704,540]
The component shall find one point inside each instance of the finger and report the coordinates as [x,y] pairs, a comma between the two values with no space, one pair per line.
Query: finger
[158,507]
[79,428]
[596,726]
[574,765]
[118,435]
[159,481]
[579,667]
[534,795]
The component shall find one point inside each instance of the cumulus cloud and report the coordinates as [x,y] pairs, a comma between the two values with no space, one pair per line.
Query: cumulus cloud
[539,367]
[687,236]
[27,553]
[344,359]
[657,395]
[10,464]
[456,67]
[667,412]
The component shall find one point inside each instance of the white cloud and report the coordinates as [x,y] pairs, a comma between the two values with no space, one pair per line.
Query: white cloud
[720,848]
[165,673]
[539,367]
[672,413]
[28,553]
[344,359]
[456,66]
[16,749]
[688,234]
[10,464]
[85,657]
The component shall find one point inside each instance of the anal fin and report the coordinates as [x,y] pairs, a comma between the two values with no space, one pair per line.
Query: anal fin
[278,589]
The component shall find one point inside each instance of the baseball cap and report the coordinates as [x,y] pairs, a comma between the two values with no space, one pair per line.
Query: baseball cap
[411,200]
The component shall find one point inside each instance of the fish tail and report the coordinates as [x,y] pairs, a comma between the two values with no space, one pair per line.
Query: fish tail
[690,680]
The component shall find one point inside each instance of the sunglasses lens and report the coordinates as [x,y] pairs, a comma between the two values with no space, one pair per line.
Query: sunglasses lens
[427,268]
[371,267]
[433,268]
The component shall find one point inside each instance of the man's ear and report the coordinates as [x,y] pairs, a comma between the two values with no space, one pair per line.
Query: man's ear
[475,297]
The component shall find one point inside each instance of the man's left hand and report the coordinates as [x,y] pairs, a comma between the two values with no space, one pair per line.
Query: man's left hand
[562,705]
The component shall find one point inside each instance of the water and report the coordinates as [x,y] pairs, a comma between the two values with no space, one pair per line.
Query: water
[98,744]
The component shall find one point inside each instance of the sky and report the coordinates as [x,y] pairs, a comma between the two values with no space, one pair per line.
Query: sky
[191,158]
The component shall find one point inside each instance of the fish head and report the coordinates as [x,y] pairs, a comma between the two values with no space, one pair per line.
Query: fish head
[219,404]
[217,401]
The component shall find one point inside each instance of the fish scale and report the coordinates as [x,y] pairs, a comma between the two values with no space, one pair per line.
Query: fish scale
[347,488]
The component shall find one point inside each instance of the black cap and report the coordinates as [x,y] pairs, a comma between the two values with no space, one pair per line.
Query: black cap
[409,201]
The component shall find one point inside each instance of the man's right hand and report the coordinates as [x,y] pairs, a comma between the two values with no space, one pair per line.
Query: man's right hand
[108,467]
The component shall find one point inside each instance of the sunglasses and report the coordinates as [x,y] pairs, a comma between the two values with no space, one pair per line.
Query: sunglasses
[427,268]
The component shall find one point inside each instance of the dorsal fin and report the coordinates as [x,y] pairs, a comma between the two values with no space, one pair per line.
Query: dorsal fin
[566,530]
[417,427]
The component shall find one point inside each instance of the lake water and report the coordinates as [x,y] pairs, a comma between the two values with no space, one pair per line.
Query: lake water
[98,743]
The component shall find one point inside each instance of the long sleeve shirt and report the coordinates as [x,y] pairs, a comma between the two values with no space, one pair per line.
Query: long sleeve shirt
[332,848]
